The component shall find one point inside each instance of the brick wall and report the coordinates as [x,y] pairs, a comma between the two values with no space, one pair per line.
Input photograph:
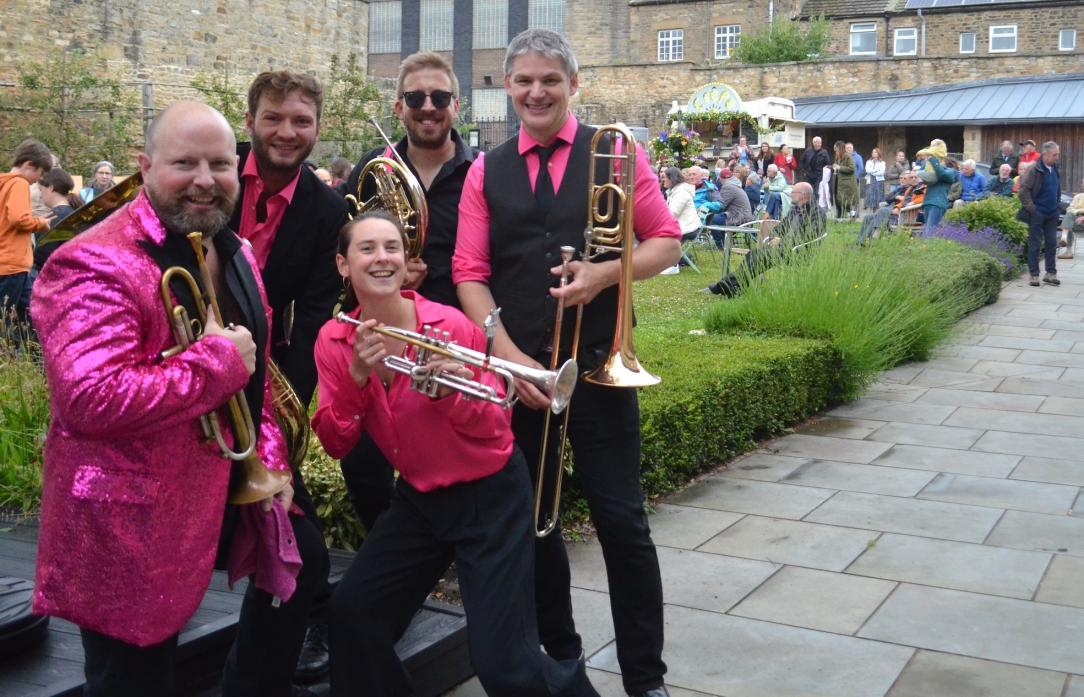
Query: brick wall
[168,44]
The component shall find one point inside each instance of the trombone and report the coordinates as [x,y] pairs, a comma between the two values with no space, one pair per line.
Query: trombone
[557,383]
[609,230]
[256,482]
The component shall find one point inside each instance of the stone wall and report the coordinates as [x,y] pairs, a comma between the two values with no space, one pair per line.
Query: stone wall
[167,44]
[642,94]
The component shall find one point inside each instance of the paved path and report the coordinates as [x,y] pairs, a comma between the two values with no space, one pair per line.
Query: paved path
[920,542]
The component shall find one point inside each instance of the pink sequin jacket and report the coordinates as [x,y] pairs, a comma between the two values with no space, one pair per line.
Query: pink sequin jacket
[133,496]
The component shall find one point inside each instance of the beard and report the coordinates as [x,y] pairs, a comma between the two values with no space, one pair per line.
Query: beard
[419,139]
[263,157]
[178,219]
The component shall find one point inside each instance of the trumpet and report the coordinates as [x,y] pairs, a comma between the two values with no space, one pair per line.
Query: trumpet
[557,384]
[398,192]
[253,482]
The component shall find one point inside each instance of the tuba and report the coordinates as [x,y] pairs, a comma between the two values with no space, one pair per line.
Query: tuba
[251,481]
[609,202]
[398,192]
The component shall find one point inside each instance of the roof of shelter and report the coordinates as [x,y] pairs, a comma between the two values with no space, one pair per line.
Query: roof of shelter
[844,8]
[1049,98]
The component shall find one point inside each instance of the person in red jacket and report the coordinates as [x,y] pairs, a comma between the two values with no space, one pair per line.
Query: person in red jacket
[786,162]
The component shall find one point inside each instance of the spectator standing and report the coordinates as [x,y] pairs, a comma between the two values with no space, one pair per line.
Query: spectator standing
[812,163]
[1002,184]
[1023,169]
[744,154]
[56,186]
[1005,156]
[765,157]
[340,170]
[894,170]
[1029,154]
[845,186]
[938,179]
[1040,199]
[1073,222]
[972,184]
[787,163]
[31,160]
[824,190]
[875,180]
[101,180]
[778,203]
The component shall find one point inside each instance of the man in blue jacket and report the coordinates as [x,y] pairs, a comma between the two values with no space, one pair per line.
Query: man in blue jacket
[1040,196]
[973,185]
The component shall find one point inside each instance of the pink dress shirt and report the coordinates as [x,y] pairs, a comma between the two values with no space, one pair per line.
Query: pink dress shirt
[262,235]
[651,215]
[432,442]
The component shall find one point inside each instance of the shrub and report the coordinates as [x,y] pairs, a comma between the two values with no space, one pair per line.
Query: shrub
[988,240]
[324,480]
[877,305]
[784,40]
[997,212]
[24,418]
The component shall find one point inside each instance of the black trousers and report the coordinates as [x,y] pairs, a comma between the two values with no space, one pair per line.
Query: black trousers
[604,433]
[484,526]
[261,661]
[370,480]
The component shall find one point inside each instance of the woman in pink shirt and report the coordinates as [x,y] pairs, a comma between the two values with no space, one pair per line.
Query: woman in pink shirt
[463,493]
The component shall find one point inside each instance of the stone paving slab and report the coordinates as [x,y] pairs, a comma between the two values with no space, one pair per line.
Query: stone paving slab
[1067,334]
[764,466]
[1000,420]
[983,353]
[1073,375]
[871,479]
[949,460]
[1061,585]
[948,521]
[739,657]
[982,626]
[791,542]
[1021,332]
[1001,493]
[961,381]
[951,362]
[982,400]
[882,410]
[1002,369]
[1053,471]
[1004,321]
[920,434]
[725,493]
[959,565]
[1063,405]
[1030,444]
[1076,687]
[827,448]
[933,674]
[687,527]
[699,580]
[1035,386]
[894,392]
[1011,342]
[840,428]
[1062,360]
[1061,324]
[815,599]
[1039,531]
[902,373]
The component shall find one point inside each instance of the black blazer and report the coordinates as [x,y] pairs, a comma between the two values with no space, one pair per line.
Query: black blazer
[300,270]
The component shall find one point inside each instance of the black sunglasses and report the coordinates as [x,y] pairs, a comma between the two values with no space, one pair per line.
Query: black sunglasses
[415,99]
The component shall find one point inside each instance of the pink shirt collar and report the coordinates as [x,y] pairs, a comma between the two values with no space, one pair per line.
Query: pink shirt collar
[567,133]
[427,311]
[250,170]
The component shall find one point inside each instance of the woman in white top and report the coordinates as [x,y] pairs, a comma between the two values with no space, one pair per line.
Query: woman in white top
[679,197]
[875,184]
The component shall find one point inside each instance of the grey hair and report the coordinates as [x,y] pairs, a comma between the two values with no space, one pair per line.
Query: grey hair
[107,163]
[968,163]
[752,179]
[1050,145]
[542,41]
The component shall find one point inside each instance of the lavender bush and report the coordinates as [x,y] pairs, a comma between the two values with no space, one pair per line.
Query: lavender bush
[1001,248]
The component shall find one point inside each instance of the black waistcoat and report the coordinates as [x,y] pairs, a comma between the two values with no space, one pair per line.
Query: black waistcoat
[525,243]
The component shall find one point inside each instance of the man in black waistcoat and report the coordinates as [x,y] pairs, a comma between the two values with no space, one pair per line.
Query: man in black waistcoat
[292,220]
[521,202]
[428,106]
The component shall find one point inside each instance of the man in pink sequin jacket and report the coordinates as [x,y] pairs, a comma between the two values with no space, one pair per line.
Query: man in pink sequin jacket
[134,497]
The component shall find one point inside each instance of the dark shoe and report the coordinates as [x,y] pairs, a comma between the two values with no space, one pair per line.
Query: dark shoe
[313,663]
[302,691]
[1034,281]
[713,289]
[1051,278]
[659,691]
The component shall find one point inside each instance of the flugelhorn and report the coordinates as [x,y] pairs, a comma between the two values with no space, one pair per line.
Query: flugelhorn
[398,192]
[557,384]
[255,481]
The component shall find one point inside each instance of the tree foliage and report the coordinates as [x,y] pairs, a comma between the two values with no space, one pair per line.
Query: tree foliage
[226,94]
[784,40]
[350,100]
[81,113]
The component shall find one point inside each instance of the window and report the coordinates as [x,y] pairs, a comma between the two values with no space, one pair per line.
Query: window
[671,45]
[906,42]
[727,39]
[489,104]
[490,23]
[436,25]
[1003,39]
[385,31]
[967,42]
[864,39]
[546,14]
[1067,40]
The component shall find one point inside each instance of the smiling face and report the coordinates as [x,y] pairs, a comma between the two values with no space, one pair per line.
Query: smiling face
[540,91]
[427,126]
[374,259]
[283,130]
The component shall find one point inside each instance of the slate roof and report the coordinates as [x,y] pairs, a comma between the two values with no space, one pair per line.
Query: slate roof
[845,8]
[1047,98]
